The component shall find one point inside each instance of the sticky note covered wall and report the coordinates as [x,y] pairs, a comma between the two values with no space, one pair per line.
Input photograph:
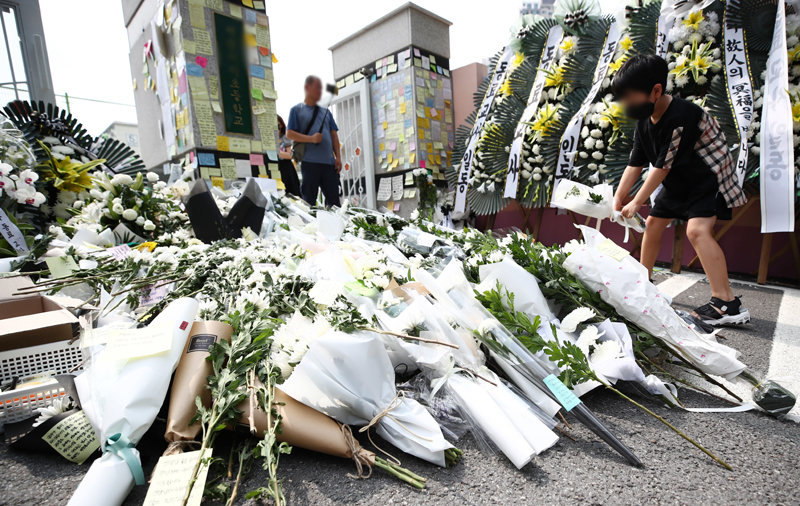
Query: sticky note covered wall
[210,64]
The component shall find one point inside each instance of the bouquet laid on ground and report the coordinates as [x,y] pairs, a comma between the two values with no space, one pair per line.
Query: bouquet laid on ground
[500,336]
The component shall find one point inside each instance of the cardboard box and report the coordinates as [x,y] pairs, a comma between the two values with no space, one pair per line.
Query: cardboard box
[31,320]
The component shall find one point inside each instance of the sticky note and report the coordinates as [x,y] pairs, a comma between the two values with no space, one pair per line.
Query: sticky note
[223,143]
[256,159]
[218,182]
[611,249]
[238,145]
[236,11]
[201,60]
[228,168]
[171,476]
[61,267]
[197,16]
[207,159]
[193,69]
[250,40]
[563,394]
[73,437]
[257,94]
[202,41]
[258,71]
[216,107]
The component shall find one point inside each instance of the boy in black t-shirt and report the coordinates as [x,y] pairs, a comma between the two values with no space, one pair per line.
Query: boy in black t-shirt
[692,174]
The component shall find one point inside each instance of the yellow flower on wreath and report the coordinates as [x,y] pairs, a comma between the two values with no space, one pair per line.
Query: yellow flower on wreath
[568,44]
[698,62]
[518,59]
[616,64]
[795,100]
[794,54]
[505,88]
[66,174]
[626,43]
[694,19]
[555,78]
[545,120]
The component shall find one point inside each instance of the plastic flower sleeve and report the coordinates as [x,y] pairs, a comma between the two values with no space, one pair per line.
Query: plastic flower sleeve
[596,202]
[349,377]
[121,398]
[623,282]
[528,297]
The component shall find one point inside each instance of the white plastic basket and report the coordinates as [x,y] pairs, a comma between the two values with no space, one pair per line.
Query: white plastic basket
[60,358]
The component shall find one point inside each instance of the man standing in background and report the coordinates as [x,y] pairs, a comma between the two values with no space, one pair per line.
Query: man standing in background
[321,163]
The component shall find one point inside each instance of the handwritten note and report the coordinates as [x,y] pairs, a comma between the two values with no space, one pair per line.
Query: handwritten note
[130,343]
[213,86]
[61,267]
[73,437]
[563,394]
[119,252]
[384,189]
[611,249]
[397,187]
[202,41]
[239,145]
[172,476]
[228,167]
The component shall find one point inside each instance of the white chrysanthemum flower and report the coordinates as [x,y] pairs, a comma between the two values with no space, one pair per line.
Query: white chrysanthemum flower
[129,214]
[576,317]
[588,338]
[121,179]
[59,405]
[152,177]
[607,350]
[149,225]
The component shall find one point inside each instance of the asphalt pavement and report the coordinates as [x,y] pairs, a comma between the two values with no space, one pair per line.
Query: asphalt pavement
[764,452]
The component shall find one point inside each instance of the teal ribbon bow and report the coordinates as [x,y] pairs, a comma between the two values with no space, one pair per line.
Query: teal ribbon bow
[122,447]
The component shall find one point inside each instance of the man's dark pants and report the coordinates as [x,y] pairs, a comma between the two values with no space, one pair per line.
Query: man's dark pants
[316,176]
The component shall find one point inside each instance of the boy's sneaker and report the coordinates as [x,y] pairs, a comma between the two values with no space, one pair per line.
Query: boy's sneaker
[720,312]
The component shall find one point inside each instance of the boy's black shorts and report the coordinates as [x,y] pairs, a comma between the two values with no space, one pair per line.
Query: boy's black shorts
[680,207]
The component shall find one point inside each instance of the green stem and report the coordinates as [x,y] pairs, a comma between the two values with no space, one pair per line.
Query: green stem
[665,422]
[683,381]
[236,483]
[400,473]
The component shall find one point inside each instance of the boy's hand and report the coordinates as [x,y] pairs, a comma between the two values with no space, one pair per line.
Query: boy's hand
[631,209]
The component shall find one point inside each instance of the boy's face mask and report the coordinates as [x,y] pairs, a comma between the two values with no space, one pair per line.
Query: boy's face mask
[640,111]
[644,109]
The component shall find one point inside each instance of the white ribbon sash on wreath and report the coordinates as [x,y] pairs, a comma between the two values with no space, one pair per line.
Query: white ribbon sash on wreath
[777,155]
[545,63]
[740,89]
[664,24]
[571,136]
[465,168]
[12,234]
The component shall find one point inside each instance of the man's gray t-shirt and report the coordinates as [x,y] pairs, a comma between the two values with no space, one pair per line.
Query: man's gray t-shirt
[299,118]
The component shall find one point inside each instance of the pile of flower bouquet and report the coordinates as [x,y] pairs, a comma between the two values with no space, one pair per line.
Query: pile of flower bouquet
[466,332]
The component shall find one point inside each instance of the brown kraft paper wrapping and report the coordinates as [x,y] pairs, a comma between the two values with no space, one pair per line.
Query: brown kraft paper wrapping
[191,379]
[307,428]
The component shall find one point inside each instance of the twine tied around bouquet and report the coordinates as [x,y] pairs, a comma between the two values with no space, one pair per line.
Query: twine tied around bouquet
[394,404]
[359,458]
